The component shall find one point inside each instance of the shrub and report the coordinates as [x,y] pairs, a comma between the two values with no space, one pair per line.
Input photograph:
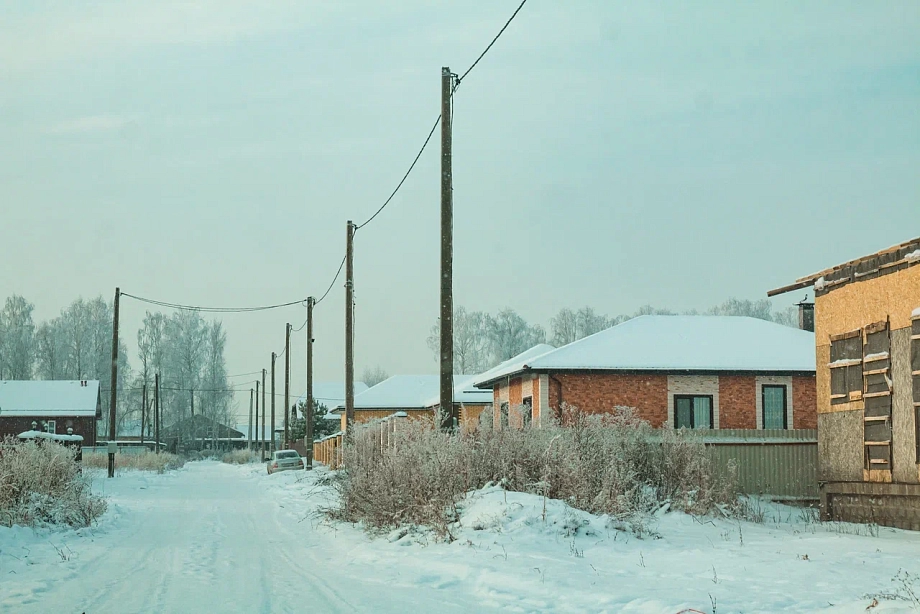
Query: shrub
[40,483]
[145,461]
[240,457]
[605,464]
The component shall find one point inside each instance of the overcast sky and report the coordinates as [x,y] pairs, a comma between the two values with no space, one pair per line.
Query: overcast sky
[607,153]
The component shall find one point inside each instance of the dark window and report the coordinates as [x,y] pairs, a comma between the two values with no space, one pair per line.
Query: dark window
[504,415]
[693,411]
[527,410]
[846,367]
[774,404]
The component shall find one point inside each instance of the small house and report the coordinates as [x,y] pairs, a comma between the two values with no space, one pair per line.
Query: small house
[698,372]
[867,335]
[60,407]
[419,397]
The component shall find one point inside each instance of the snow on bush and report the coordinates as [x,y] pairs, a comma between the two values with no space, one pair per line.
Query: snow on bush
[145,461]
[40,483]
[610,464]
[240,457]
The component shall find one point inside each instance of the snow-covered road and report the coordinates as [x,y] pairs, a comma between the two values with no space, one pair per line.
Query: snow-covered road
[220,538]
[208,538]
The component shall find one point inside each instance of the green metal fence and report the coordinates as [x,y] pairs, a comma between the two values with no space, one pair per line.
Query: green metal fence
[780,464]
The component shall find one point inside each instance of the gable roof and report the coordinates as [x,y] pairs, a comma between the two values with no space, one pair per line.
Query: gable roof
[679,344]
[415,392]
[49,398]
[199,426]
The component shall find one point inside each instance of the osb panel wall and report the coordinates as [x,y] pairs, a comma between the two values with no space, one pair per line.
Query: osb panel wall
[840,446]
[856,304]
[823,384]
[903,435]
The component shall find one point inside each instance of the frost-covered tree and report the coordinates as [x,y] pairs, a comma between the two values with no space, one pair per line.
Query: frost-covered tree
[373,376]
[740,307]
[17,339]
[472,341]
[511,334]
[49,350]
[569,326]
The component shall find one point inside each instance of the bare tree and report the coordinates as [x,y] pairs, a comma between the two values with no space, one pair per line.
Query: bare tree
[472,342]
[17,339]
[511,335]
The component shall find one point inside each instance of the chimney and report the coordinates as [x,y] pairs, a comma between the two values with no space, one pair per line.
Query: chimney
[807,315]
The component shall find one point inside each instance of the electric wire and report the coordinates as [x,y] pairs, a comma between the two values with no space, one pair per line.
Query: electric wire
[211,309]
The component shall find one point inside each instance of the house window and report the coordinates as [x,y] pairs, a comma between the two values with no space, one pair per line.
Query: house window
[846,367]
[693,411]
[51,426]
[504,416]
[774,406]
[527,411]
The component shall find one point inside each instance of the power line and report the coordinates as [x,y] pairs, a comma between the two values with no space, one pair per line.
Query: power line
[243,374]
[334,279]
[486,50]
[406,176]
[211,309]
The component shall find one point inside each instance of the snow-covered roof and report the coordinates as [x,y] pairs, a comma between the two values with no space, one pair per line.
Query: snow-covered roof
[513,364]
[52,436]
[331,394]
[415,392]
[49,398]
[680,344]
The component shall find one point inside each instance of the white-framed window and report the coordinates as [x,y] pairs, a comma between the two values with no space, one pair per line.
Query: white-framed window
[51,426]
[774,402]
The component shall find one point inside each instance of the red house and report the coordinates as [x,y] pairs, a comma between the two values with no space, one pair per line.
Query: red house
[50,406]
[702,372]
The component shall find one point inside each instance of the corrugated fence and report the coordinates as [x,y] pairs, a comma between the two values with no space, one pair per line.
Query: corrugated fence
[778,463]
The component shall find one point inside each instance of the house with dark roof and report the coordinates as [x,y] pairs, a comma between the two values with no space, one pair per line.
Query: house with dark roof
[702,372]
[60,407]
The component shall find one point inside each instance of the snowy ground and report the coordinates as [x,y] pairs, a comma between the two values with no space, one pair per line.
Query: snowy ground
[214,537]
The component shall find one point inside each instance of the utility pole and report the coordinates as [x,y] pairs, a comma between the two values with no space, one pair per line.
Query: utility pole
[262,453]
[258,437]
[274,356]
[156,411]
[350,328]
[287,383]
[308,440]
[143,411]
[250,419]
[448,413]
[114,396]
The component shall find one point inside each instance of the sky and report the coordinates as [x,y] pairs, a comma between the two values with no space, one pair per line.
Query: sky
[611,154]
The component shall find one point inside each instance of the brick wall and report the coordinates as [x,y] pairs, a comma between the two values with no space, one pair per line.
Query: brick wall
[737,398]
[805,400]
[82,425]
[601,393]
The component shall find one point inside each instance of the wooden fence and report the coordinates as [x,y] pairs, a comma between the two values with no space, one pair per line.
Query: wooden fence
[782,464]
[328,450]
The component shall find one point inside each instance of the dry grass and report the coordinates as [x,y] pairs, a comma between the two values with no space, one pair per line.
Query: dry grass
[613,464]
[145,461]
[240,457]
[41,484]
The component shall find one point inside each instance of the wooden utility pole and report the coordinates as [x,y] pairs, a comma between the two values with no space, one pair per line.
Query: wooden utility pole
[250,418]
[350,328]
[156,411]
[262,453]
[143,411]
[449,418]
[114,396]
[274,356]
[287,384]
[308,440]
[256,428]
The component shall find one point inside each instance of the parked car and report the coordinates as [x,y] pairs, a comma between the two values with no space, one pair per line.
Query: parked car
[283,460]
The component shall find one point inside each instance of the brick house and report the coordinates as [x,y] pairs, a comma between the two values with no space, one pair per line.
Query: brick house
[676,371]
[867,332]
[50,406]
[418,396]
